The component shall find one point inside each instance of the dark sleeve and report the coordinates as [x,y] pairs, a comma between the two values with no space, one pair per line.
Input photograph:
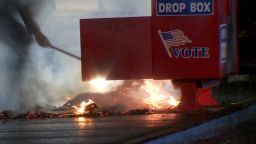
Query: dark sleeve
[27,17]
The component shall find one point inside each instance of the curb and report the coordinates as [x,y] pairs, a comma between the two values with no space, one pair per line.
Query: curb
[208,129]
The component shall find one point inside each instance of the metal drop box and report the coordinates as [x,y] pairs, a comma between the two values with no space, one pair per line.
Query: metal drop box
[183,39]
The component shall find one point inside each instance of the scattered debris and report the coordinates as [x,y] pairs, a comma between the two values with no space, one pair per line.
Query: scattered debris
[139,111]
[5,115]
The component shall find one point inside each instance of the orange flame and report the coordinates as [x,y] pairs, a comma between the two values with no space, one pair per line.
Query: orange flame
[158,96]
[82,108]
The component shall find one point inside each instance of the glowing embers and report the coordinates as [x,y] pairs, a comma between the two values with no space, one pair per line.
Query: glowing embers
[161,94]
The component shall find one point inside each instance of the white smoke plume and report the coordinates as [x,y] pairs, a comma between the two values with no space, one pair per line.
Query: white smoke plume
[49,76]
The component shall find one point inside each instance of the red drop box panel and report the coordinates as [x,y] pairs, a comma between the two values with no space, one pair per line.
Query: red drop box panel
[183,39]
[116,48]
[189,39]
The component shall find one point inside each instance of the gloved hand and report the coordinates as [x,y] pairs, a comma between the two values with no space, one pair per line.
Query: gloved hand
[42,40]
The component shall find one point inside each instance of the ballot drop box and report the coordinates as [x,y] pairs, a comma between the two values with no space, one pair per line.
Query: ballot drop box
[182,39]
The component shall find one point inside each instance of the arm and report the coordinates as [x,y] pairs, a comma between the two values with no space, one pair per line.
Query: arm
[34,28]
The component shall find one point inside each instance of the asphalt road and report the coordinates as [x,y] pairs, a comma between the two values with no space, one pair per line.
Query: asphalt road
[104,130]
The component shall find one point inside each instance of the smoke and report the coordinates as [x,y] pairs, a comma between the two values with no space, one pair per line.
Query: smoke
[46,77]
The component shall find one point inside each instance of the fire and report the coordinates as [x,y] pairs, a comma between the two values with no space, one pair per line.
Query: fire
[160,94]
[82,108]
[99,83]
[173,102]
[102,85]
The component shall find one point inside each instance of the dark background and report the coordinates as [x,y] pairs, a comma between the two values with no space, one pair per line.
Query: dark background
[247,36]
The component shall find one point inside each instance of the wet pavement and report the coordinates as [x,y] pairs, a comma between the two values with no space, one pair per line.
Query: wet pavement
[104,130]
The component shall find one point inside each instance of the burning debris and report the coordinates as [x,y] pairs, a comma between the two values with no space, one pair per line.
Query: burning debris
[83,107]
[86,108]
[158,95]
[132,97]
[28,115]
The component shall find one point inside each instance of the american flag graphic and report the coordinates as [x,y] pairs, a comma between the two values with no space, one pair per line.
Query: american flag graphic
[174,38]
